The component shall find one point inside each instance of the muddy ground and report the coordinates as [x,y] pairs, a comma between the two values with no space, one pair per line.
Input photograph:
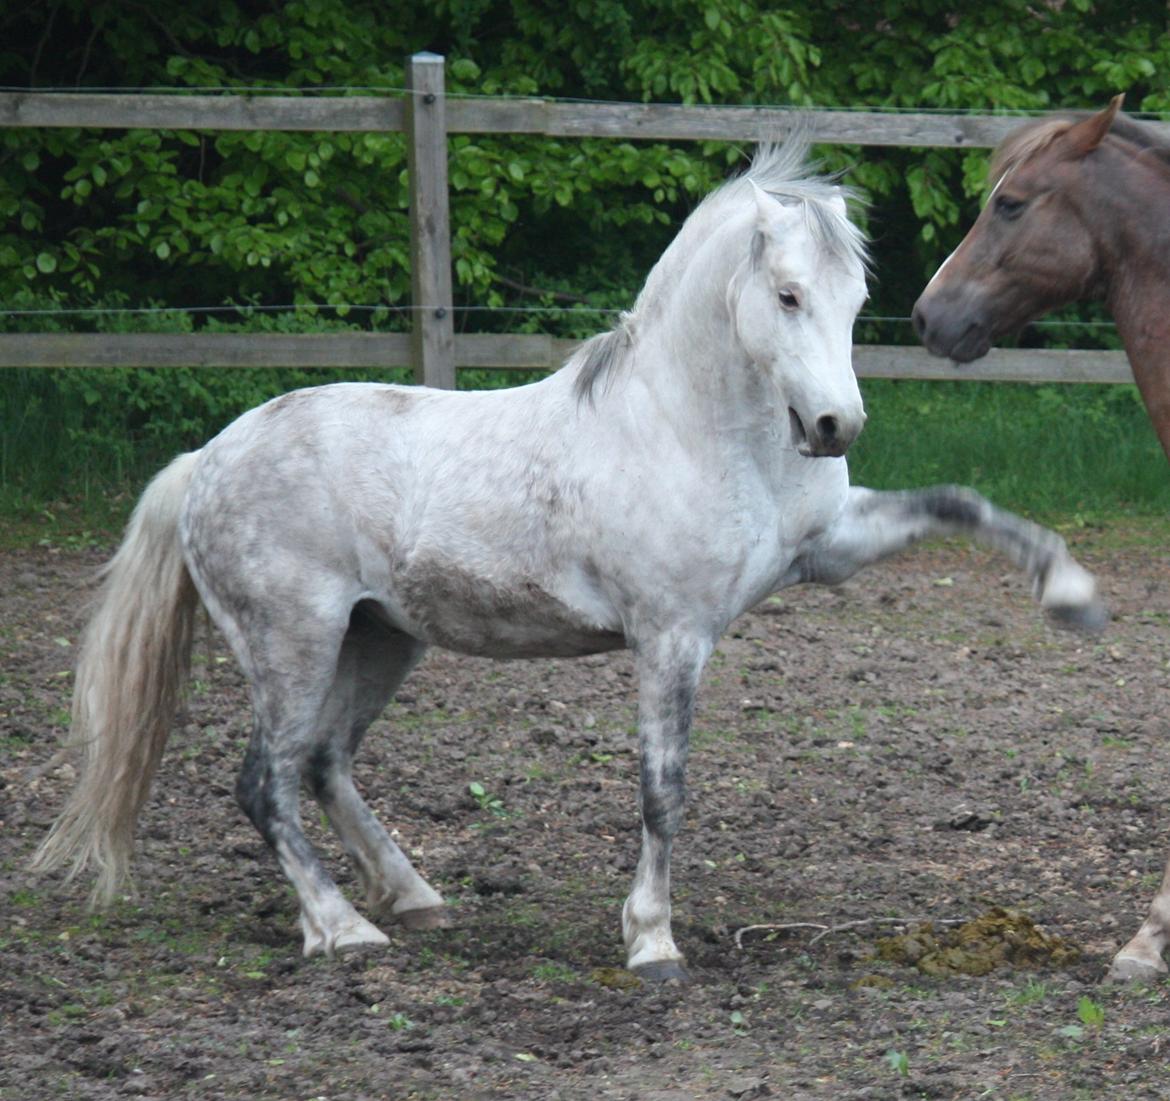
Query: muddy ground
[917,744]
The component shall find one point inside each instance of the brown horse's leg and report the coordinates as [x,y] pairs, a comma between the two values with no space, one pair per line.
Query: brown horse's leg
[1141,959]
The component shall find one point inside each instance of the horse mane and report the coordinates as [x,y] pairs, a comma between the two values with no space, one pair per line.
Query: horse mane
[1030,139]
[779,168]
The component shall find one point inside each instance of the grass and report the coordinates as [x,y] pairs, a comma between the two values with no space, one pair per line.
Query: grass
[1081,452]
[76,447]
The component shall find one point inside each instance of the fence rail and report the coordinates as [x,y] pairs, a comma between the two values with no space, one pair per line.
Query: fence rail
[427,115]
[495,350]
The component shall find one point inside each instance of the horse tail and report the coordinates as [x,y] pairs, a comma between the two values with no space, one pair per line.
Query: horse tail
[133,664]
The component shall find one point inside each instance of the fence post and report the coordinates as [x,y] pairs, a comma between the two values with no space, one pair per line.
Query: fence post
[433,333]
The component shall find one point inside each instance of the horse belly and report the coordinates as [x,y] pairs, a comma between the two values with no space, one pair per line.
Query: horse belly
[451,608]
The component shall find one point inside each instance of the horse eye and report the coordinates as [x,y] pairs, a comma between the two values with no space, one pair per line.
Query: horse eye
[1009,208]
[789,300]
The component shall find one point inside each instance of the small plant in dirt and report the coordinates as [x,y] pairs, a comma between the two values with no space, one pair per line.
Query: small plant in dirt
[1031,993]
[1091,1013]
[553,972]
[485,800]
[398,1022]
[899,1062]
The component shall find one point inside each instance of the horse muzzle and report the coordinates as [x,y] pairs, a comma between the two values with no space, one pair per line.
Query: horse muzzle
[950,331]
[826,435]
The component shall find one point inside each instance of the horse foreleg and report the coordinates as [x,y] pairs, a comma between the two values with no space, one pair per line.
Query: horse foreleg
[668,670]
[875,524]
[1141,959]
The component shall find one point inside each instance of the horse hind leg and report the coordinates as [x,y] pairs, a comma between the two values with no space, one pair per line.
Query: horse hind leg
[1141,959]
[292,668]
[374,661]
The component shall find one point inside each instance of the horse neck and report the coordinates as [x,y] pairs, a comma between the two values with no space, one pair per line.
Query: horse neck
[686,351]
[1136,306]
[1135,251]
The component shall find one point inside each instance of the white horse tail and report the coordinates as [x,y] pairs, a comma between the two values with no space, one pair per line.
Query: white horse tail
[133,664]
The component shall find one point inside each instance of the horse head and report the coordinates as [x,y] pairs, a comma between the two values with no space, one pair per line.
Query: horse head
[1031,249]
[792,301]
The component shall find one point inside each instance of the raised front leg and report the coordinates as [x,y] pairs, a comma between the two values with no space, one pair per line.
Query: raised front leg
[1141,959]
[875,524]
[669,670]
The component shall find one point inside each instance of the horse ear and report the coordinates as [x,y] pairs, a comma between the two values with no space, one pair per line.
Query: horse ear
[1086,135]
[765,204]
[765,214]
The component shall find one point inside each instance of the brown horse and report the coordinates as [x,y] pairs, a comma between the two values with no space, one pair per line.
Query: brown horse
[1079,209]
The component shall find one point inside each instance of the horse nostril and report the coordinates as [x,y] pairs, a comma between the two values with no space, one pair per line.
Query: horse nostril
[827,429]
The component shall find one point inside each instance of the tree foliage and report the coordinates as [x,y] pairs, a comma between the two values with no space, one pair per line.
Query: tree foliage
[205,218]
[261,219]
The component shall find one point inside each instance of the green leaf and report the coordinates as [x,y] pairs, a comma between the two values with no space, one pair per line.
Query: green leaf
[464,70]
[1090,1012]
[46,263]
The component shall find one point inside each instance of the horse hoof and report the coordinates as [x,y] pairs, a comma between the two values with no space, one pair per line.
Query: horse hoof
[430,917]
[662,971]
[1080,617]
[1128,970]
[358,940]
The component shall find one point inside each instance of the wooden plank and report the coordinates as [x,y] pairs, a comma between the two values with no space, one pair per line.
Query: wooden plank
[230,111]
[670,122]
[498,351]
[657,121]
[501,351]
[204,350]
[1000,365]
[433,334]
[515,352]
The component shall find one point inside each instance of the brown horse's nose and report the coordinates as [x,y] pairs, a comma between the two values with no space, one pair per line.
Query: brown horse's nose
[918,320]
[955,327]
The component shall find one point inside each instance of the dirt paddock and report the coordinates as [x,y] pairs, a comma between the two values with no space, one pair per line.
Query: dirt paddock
[918,744]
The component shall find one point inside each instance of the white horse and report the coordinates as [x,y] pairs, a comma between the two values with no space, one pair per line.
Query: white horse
[675,472]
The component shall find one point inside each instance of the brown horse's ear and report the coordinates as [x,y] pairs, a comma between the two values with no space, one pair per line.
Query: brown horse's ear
[1086,135]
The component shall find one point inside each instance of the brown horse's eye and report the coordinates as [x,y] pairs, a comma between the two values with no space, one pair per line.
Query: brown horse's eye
[1009,208]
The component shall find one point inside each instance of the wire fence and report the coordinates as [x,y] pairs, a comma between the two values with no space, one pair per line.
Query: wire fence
[427,113]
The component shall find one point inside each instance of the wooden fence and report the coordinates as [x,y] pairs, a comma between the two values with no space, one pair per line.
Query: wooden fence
[427,115]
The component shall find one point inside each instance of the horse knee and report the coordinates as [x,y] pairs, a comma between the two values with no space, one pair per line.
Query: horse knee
[663,801]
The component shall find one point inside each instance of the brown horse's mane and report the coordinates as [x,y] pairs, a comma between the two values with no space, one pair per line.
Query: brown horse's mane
[1018,146]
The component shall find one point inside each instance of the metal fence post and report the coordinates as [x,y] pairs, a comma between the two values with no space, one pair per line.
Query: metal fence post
[433,333]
